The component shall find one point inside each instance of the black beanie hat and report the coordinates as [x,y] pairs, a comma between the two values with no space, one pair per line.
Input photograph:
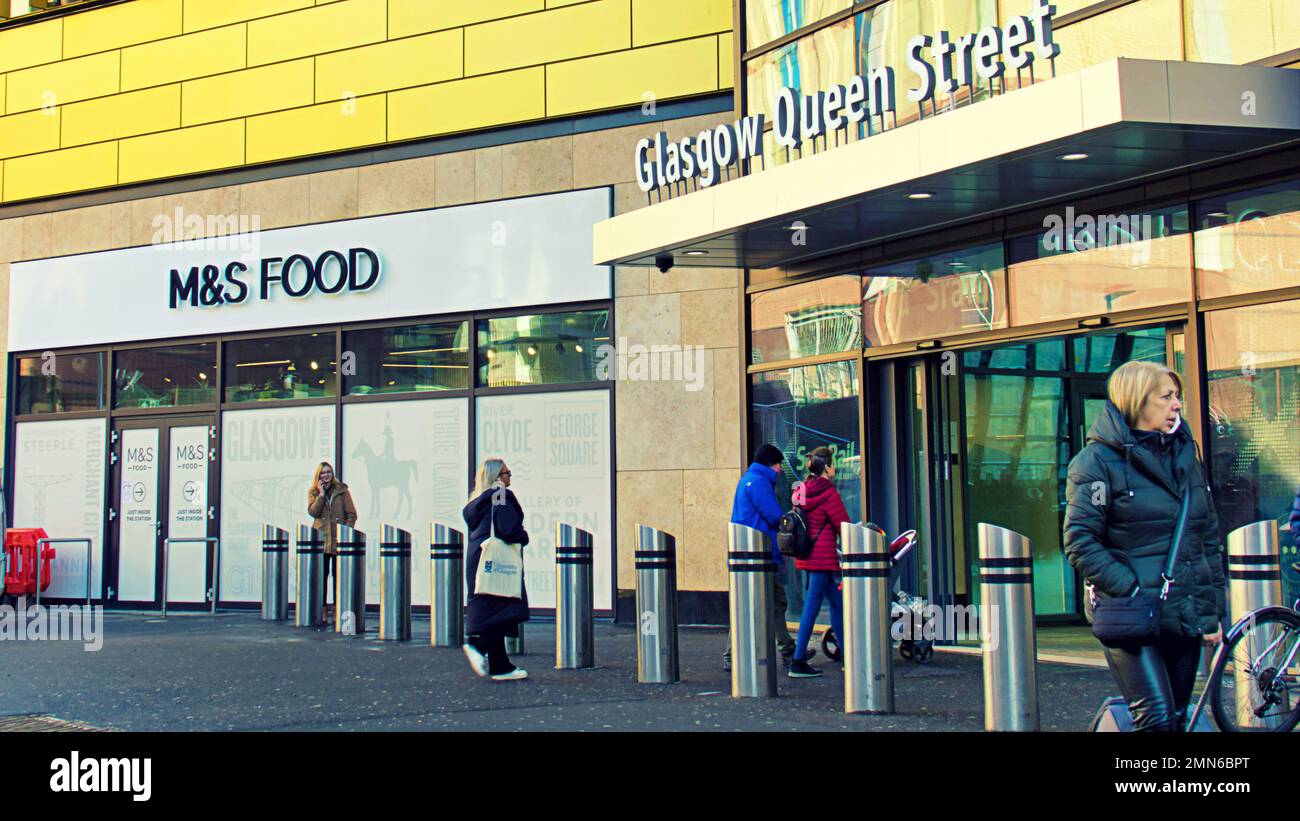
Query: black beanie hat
[768,455]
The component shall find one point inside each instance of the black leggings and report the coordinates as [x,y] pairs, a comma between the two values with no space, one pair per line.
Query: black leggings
[492,643]
[1157,681]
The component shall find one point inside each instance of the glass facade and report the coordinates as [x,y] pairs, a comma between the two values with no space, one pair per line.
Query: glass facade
[165,377]
[955,292]
[284,367]
[59,383]
[431,357]
[818,317]
[1248,241]
[1239,31]
[541,349]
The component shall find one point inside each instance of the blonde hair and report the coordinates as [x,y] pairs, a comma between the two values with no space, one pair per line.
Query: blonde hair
[1133,383]
[314,490]
[488,473]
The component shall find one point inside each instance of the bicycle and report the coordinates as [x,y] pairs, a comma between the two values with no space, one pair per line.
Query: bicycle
[1261,692]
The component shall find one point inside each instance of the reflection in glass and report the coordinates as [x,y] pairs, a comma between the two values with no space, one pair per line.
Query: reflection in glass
[1103,353]
[1248,241]
[1100,264]
[1032,356]
[810,64]
[1253,390]
[284,367]
[768,20]
[165,377]
[546,349]
[430,357]
[954,292]
[1017,443]
[823,316]
[1240,31]
[60,383]
[798,409]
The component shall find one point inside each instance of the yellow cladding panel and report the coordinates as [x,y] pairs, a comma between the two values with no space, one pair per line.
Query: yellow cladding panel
[413,61]
[315,130]
[122,115]
[60,172]
[665,71]
[340,24]
[181,58]
[240,93]
[122,24]
[574,31]
[31,45]
[726,61]
[203,14]
[657,21]
[416,16]
[29,133]
[63,82]
[183,151]
[460,105]
[555,4]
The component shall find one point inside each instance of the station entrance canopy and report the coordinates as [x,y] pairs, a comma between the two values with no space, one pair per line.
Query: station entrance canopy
[1122,121]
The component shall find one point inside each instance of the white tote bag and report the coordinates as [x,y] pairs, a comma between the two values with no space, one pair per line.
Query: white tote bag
[500,566]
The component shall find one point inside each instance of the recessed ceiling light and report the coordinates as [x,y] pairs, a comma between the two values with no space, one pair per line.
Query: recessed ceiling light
[1075,157]
[1223,215]
[695,252]
[957,264]
[920,195]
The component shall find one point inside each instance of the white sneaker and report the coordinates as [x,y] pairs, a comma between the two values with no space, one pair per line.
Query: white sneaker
[517,674]
[477,660]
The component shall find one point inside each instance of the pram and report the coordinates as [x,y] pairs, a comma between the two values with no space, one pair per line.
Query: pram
[905,606]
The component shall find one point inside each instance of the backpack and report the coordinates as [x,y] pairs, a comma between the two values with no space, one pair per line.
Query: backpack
[792,537]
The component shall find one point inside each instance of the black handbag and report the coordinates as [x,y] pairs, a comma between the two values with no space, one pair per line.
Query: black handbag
[1136,619]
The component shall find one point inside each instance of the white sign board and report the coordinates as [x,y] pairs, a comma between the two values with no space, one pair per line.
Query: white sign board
[187,502]
[137,515]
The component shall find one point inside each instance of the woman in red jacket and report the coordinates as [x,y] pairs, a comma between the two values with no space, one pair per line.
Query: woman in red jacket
[825,511]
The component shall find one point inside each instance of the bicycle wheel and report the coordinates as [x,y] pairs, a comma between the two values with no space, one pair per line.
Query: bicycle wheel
[1257,687]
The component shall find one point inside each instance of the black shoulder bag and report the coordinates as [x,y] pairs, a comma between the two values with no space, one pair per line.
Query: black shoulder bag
[1136,619]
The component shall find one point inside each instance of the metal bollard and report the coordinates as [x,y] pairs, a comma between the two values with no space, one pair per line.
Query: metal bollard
[575,626]
[753,637]
[1009,644]
[395,585]
[867,645]
[446,590]
[515,645]
[656,606]
[275,573]
[1254,581]
[309,611]
[350,582]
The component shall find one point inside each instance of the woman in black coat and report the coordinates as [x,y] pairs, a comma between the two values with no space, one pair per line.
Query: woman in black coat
[1124,494]
[490,619]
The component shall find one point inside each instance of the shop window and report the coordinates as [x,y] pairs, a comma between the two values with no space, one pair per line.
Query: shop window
[1087,264]
[954,292]
[768,20]
[1103,353]
[284,367]
[1033,356]
[165,377]
[808,319]
[1239,31]
[544,349]
[1248,241]
[1145,30]
[799,409]
[432,357]
[810,64]
[60,383]
[1253,396]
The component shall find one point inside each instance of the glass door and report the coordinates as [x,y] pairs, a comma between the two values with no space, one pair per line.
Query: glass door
[161,479]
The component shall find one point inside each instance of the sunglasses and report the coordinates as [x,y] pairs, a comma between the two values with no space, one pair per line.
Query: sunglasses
[504,473]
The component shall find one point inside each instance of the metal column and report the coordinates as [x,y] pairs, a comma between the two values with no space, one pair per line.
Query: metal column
[867,645]
[395,585]
[656,606]
[575,626]
[309,610]
[1254,581]
[275,573]
[753,637]
[1007,630]
[446,586]
[350,582]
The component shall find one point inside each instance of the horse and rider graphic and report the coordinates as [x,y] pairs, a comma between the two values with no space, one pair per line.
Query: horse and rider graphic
[385,470]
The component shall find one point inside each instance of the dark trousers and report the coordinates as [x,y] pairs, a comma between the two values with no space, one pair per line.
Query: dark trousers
[492,643]
[784,641]
[1157,680]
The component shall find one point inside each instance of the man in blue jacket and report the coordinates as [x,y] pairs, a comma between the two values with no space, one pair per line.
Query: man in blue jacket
[756,506]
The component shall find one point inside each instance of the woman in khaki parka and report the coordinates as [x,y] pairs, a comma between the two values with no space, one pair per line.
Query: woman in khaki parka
[329,503]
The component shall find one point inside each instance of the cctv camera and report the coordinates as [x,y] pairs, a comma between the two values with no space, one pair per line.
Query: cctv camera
[663,262]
